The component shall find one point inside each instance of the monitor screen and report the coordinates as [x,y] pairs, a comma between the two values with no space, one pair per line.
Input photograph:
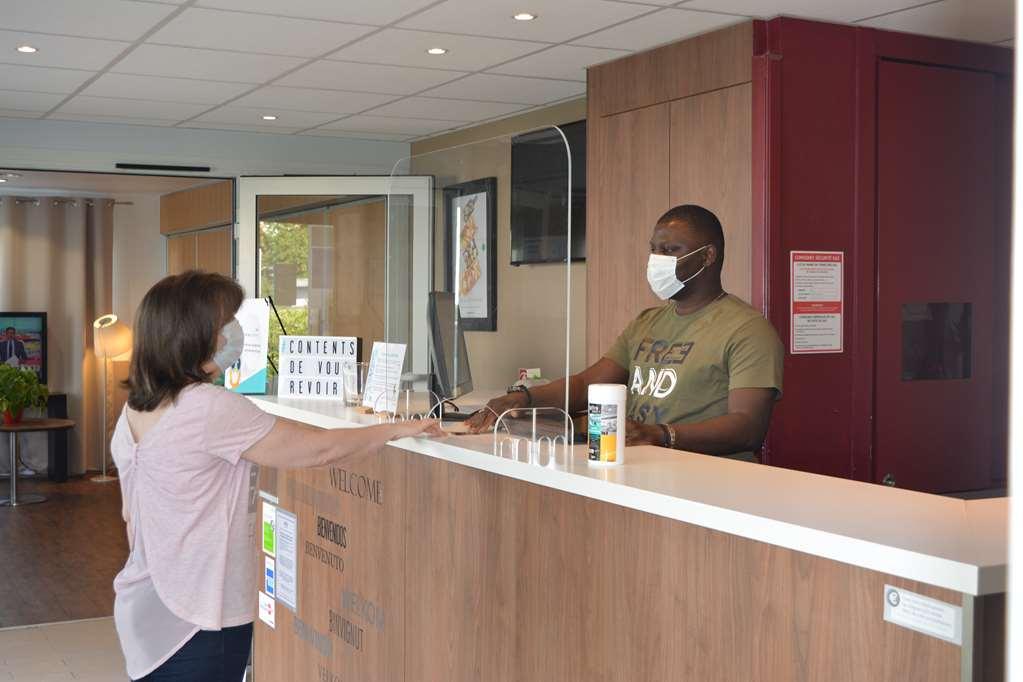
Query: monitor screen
[540,195]
[451,375]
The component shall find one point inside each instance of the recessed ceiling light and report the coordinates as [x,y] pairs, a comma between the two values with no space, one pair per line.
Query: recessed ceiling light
[7,174]
[524,16]
[27,49]
[436,50]
[3,179]
[269,117]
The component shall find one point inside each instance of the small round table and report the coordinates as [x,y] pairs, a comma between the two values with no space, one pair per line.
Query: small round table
[27,426]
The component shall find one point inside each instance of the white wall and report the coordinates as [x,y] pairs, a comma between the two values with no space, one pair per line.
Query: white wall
[69,145]
[140,251]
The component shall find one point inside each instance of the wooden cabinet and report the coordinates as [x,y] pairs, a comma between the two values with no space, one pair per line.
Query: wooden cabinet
[209,250]
[666,127]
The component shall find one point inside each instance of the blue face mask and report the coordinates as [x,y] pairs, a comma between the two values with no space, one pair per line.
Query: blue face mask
[231,352]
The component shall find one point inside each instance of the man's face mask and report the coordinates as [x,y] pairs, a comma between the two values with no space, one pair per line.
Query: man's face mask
[234,344]
[660,274]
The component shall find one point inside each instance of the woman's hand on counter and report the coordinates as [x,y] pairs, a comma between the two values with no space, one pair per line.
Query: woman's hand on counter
[638,433]
[422,428]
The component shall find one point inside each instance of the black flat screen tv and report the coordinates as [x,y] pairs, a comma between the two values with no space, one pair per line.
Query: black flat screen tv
[540,195]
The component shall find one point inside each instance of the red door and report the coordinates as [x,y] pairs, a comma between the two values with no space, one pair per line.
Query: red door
[938,240]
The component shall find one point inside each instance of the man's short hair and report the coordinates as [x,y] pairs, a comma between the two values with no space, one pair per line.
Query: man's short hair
[10,329]
[701,220]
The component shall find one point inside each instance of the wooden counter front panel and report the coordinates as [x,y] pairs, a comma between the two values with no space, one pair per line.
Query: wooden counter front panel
[368,593]
[487,578]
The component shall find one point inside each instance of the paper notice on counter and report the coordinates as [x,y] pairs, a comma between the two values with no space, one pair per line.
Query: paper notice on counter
[248,374]
[267,610]
[384,377]
[923,614]
[287,559]
[817,305]
[269,528]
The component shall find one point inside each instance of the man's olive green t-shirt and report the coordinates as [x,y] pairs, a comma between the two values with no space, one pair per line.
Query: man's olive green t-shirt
[681,367]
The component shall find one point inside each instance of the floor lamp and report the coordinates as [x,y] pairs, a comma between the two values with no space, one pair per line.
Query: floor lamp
[110,338]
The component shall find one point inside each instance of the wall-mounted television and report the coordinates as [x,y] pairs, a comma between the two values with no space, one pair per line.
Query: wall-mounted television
[540,195]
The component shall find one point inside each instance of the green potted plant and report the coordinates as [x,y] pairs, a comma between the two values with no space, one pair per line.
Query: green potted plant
[19,389]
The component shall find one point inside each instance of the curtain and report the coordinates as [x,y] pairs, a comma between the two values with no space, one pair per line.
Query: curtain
[56,256]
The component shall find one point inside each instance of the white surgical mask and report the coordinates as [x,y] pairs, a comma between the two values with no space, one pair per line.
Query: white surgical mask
[234,337]
[660,274]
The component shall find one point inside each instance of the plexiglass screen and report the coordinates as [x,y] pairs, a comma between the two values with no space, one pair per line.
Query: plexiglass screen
[936,341]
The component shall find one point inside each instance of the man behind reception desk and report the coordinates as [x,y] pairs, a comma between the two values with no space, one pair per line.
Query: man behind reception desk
[703,370]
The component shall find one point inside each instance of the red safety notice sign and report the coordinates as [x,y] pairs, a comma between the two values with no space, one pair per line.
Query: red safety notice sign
[817,305]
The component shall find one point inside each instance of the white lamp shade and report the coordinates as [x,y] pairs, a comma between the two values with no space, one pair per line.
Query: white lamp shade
[110,337]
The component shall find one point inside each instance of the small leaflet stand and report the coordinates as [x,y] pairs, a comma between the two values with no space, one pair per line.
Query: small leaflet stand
[541,436]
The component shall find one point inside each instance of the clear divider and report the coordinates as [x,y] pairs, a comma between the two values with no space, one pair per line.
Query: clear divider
[486,294]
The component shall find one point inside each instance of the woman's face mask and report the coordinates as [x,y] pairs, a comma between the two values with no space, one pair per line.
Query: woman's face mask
[660,274]
[231,351]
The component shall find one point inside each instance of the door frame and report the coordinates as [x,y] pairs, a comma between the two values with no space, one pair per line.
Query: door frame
[419,187]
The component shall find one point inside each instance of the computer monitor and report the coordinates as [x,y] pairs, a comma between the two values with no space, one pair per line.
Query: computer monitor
[451,374]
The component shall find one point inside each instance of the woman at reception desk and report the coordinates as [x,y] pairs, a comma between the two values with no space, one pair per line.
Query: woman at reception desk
[457,559]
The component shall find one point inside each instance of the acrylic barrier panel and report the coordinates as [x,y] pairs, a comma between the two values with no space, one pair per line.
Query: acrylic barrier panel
[502,302]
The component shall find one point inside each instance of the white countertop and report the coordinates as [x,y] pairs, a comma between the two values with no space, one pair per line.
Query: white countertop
[956,544]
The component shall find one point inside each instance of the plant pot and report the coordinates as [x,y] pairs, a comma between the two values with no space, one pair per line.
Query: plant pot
[13,418]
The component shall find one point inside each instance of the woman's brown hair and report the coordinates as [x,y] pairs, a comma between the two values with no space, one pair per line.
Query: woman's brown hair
[176,331]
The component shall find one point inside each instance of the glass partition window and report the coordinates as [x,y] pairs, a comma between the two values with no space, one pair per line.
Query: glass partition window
[936,341]
[492,322]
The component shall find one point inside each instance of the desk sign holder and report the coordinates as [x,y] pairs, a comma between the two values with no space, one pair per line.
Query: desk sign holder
[248,375]
[310,366]
[384,377]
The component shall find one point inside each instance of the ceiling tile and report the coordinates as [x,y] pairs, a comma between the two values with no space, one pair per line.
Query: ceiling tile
[381,124]
[445,109]
[110,19]
[110,119]
[163,89]
[980,20]
[74,53]
[378,12]
[408,48]
[834,10]
[250,116]
[28,101]
[563,61]
[392,80]
[188,62]
[131,108]
[387,137]
[663,26]
[495,88]
[306,99]
[216,29]
[556,20]
[42,79]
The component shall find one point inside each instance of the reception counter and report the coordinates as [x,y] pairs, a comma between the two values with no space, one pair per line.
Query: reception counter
[434,559]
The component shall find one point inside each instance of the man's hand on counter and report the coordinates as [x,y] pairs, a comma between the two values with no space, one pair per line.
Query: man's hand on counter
[485,418]
[638,433]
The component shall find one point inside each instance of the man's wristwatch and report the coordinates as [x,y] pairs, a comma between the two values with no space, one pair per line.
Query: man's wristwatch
[518,388]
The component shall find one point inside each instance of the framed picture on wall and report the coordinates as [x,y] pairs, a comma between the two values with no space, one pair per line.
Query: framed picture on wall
[23,341]
[470,247]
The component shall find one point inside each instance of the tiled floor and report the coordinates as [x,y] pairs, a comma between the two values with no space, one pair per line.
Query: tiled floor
[84,650]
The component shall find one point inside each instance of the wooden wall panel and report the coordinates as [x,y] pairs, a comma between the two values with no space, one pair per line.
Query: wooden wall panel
[483,577]
[214,249]
[711,152]
[627,169]
[180,253]
[368,591]
[713,60]
[197,208]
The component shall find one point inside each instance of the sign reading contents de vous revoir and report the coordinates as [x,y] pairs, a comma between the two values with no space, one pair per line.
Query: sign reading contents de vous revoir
[310,366]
